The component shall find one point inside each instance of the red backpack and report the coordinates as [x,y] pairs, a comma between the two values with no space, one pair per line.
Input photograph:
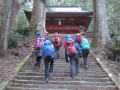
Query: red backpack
[71,50]
[56,39]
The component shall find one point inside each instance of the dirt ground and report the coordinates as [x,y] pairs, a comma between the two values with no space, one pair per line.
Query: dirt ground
[14,56]
[114,66]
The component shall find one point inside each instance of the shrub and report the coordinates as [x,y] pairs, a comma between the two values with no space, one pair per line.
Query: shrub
[15,37]
[23,31]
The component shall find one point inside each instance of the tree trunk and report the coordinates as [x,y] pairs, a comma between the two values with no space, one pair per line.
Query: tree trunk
[100,24]
[37,22]
[7,21]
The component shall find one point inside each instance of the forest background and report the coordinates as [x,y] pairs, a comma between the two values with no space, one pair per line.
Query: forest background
[19,34]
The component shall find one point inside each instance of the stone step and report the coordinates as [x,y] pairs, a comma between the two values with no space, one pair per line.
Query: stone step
[63,58]
[81,88]
[22,88]
[92,79]
[58,70]
[66,65]
[63,62]
[43,78]
[90,59]
[61,68]
[67,75]
[83,71]
[61,82]
[55,86]
[62,74]
[63,65]
[32,78]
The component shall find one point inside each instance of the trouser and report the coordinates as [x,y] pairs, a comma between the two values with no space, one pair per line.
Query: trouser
[57,47]
[38,59]
[80,54]
[49,63]
[74,62]
[66,55]
[85,55]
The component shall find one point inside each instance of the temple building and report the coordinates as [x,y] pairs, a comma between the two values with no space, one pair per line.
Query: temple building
[65,19]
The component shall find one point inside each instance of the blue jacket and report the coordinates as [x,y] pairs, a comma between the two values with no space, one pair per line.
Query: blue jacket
[75,38]
[76,45]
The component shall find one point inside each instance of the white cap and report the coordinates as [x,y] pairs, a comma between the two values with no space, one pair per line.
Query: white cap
[78,34]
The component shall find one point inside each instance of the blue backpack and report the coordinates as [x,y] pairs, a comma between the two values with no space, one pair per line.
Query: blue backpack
[48,49]
[85,44]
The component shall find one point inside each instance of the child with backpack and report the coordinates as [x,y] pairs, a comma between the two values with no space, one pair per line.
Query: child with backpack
[78,39]
[57,42]
[66,40]
[49,56]
[85,46]
[45,36]
[38,44]
[73,51]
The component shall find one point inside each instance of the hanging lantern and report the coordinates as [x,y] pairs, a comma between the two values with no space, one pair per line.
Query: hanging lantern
[59,23]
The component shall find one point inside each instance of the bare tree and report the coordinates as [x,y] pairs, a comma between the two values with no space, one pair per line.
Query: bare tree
[100,23]
[37,22]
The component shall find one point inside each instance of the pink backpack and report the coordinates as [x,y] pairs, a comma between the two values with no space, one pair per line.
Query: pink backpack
[38,44]
[56,39]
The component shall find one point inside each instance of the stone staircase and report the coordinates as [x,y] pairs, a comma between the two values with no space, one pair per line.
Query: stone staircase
[31,78]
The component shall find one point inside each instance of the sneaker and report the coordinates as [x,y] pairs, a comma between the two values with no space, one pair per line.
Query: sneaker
[67,61]
[37,65]
[47,79]
[76,73]
[86,66]
[51,74]
[72,76]
[58,56]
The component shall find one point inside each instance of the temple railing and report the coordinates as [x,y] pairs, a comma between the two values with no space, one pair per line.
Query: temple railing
[63,29]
